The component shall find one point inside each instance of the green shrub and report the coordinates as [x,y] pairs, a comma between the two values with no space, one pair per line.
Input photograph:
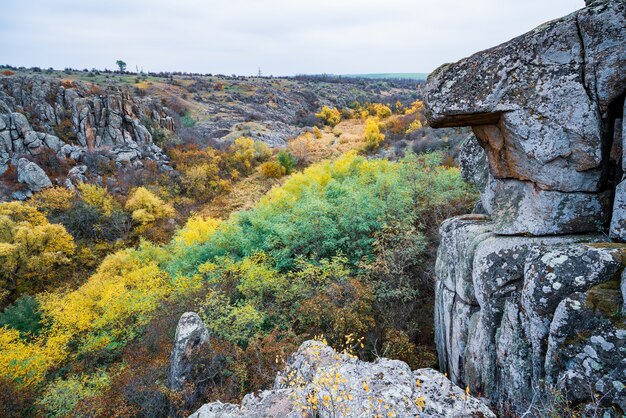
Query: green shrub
[187,120]
[23,315]
[61,396]
[287,161]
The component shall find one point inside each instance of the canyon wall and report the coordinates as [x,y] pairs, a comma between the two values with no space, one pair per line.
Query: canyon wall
[530,289]
[72,120]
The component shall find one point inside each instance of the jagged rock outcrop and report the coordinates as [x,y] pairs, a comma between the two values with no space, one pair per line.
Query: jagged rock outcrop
[543,106]
[341,385]
[521,316]
[41,115]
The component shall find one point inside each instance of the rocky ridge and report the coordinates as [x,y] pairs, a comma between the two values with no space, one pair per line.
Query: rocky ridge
[530,293]
[35,111]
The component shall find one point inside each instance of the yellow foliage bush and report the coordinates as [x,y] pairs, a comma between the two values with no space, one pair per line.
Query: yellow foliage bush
[380,110]
[416,106]
[414,126]
[245,153]
[372,135]
[53,199]
[329,115]
[271,169]
[146,207]
[317,133]
[30,247]
[125,286]
[26,364]
[124,293]
[197,230]
[19,212]
[97,197]
[203,180]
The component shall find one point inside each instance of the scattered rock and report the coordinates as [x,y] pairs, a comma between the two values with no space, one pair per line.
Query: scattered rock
[21,195]
[105,124]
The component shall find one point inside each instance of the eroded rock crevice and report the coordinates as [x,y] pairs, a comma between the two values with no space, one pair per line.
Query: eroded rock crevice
[530,296]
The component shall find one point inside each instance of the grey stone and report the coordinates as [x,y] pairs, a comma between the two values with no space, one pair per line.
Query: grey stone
[191,333]
[32,175]
[553,273]
[497,340]
[53,142]
[584,336]
[623,288]
[32,140]
[459,238]
[100,123]
[536,101]
[519,207]
[618,218]
[363,390]
[21,195]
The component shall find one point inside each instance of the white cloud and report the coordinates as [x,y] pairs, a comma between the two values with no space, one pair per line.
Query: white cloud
[280,36]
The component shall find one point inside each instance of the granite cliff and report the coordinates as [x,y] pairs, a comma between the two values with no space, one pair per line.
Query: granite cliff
[530,289]
[44,118]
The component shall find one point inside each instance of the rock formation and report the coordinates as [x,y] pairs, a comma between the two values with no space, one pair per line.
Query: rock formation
[530,296]
[341,385]
[32,175]
[190,335]
[40,115]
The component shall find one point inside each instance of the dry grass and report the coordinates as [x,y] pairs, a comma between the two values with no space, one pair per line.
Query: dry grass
[346,136]
[243,195]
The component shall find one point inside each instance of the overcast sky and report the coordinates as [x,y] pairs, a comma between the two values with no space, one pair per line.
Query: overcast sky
[282,37]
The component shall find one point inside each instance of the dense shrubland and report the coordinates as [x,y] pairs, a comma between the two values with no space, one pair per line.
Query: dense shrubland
[94,280]
[340,248]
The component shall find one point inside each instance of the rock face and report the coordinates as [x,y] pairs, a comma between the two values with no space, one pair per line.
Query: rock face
[41,115]
[32,175]
[544,106]
[341,385]
[190,334]
[529,303]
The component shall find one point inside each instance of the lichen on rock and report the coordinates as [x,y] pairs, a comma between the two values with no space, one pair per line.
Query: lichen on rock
[530,300]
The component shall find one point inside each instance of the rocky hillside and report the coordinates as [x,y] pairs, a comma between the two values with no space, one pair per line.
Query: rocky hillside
[75,126]
[69,126]
[530,294]
[318,381]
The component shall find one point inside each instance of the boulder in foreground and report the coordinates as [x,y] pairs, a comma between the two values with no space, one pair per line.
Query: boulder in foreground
[318,381]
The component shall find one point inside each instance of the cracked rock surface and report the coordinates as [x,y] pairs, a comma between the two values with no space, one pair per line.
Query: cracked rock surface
[362,390]
[530,298]
[543,107]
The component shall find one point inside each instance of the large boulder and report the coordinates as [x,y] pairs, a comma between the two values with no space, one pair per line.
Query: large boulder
[543,107]
[32,175]
[537,100]
[321,382]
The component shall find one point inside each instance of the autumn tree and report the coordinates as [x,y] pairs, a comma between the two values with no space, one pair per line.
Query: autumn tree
[329,115]
[31,248]
[146,207]
[245,153]
[372,135]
